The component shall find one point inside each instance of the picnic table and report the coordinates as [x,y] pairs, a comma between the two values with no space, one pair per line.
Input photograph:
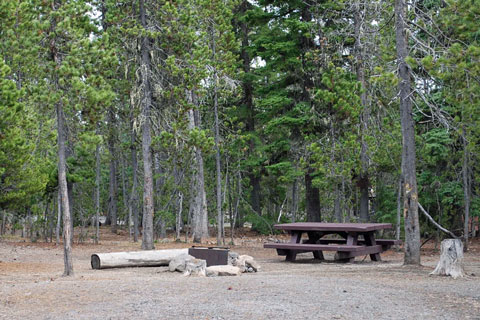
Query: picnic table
[356,239]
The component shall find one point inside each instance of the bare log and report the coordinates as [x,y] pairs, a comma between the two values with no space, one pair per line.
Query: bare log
[451,259]
[153,258]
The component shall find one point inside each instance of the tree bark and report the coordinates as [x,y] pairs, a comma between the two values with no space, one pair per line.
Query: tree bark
[399,210]
[363,182]
[410,200]
[294,199]
[124,192]
[158,187]
[312,199]
[148,209]
[112,199]
[178,218]
[451,259]
[97,193]
[336,205]
[200,214]
[59,219]
[217,152]
[4,216]
[63,191]
[133,201]
[466,191]
[254,177]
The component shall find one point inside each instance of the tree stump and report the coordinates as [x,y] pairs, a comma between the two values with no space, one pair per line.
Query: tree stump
[451,259]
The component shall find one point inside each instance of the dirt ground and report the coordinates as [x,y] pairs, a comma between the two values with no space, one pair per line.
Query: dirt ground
[32,286]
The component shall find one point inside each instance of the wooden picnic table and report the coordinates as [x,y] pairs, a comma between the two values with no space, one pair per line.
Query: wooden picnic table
[357,239]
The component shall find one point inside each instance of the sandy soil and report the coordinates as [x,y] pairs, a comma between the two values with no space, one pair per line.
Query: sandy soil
[31,286]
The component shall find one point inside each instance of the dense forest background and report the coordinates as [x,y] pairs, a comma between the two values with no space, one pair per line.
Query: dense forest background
[164,114]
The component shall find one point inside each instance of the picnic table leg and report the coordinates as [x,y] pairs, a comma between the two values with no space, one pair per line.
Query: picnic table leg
[370,241]
[313,237]
[295,237]
[352,239]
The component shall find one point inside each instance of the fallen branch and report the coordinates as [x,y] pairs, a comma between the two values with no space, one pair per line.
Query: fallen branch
[434,222]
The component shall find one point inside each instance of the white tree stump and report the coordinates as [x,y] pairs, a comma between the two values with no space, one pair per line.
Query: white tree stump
[149,258]
[451,259]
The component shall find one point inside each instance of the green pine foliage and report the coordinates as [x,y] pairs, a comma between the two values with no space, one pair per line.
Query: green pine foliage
[292,109]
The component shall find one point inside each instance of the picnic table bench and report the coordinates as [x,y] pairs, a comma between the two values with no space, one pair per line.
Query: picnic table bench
[357,239]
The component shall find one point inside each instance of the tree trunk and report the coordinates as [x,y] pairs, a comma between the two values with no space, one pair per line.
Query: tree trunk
[200,215]
[133,203]
[113,174]
[312,199]
[124,193]
[451,259]
[158,187]
[178,218]
[4,217]
[399,210]
[254,177]
[410,200]
[337,206]
[294,199]
[97,193]
[148,210]
[466,191]
[217,155]
[59,219]
[63,192]
[363,182]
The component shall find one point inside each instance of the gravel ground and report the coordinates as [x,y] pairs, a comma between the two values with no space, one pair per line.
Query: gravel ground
[31,287]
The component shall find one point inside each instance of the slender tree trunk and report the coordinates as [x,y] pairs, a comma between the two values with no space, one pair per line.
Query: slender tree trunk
[59,219]
[466,191]
[70,187]
[254,177]
[52,220]
[63,191]
[201,185]
[124,192]
[133,203]
[294,199]
[46,219]
[178,224]
[410,200]
[336,205]
[4,217]
[158,186]
[399,209]
[217,155]
[97,193]
[237,204]
[312,199]
[148,210]
[363,182]
[199,200]
[113,174]
[202,201]
[230,210]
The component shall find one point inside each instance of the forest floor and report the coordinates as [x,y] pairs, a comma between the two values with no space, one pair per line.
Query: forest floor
[32,286]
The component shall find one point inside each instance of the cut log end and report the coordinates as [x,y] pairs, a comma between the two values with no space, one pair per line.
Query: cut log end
[95,261]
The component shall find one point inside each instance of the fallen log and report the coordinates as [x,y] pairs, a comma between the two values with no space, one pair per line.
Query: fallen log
[150,258]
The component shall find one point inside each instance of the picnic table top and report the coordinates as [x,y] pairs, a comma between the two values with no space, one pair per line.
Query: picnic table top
[323,226]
